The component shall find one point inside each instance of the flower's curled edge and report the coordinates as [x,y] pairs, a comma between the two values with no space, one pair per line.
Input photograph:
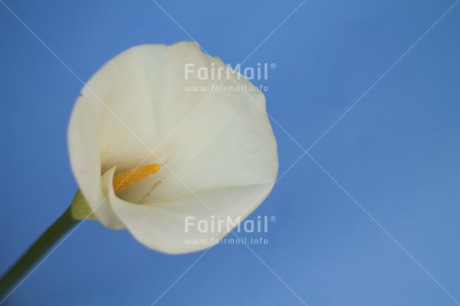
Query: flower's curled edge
[216,148]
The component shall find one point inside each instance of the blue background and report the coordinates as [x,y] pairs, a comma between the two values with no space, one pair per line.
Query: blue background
[395,154]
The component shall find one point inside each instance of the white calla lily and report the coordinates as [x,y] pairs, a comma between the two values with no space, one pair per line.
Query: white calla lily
[181,152]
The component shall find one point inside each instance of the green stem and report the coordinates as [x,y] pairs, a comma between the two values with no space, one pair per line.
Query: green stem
[65,223]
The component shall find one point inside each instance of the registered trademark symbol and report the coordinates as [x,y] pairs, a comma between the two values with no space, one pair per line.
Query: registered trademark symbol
[272,218]
[272,66]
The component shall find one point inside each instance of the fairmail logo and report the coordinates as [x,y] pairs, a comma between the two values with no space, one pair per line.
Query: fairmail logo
[215,224]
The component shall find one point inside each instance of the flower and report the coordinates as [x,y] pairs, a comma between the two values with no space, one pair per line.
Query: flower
[147,151]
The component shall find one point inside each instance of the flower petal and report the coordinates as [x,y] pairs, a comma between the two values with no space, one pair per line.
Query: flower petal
[223,139]
[85,161]
[162,226]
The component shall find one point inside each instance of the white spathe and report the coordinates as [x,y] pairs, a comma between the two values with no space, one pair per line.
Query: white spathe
[216,148]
